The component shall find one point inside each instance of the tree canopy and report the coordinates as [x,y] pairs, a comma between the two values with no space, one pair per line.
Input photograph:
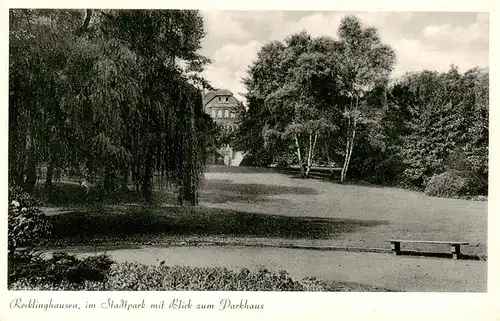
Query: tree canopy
[307,86]
[110,94]
[332,101]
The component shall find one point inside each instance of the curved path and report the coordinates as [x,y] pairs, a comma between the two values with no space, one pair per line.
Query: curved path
[415,274]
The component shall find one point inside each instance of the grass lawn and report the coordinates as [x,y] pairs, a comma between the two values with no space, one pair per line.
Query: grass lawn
[262,206]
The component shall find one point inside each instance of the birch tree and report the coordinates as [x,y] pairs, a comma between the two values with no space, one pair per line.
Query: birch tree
[296,108]
[364,62]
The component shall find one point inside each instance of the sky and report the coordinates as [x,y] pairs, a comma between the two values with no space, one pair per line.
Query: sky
[421,40]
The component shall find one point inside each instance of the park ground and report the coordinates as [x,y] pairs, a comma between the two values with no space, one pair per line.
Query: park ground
[252,217]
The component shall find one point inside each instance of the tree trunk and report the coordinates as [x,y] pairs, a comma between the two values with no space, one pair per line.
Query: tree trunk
[136,176]
[307,168]
[328,160]
[17,159]
[350,144]
[29,184]
[17,138]
[147,188]
[18,178]
[310,154]
[86,22]
[146,183]
[109,184]
[125,180]
[50,174]
[299,156]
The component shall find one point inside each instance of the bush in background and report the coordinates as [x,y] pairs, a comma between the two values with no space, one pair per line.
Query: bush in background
[447,184]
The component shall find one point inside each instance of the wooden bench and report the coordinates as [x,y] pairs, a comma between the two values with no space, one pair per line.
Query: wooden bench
[455,246]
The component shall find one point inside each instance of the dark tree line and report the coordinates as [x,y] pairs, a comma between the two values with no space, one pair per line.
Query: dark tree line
[111,95]
[430,123]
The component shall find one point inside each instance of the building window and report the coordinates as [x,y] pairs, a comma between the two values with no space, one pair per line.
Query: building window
[213,113]
[220,99]
[226,114]
[219,113]
[232,115]
[226,99]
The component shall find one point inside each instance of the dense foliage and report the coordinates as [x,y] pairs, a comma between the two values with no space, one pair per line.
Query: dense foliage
[447,184]
[430,123]
[66,272]
[26,223]
[305,94]
[95,95]
[61,268]
[331,102]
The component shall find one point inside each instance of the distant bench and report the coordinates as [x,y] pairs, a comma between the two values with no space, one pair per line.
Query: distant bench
[455,246]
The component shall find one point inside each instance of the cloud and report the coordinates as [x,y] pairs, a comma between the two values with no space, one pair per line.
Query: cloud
[479,31]
[412,55]
[221,77]
[327,23]
[317,25]
[230,65]
[384,19]
[224,24]
[419,40]
[234,55]
[442,45]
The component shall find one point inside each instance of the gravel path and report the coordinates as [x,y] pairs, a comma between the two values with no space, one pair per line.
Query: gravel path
[414,274]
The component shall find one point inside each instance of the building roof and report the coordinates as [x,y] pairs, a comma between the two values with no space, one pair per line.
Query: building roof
[223,92]
[212,94]
[208,97]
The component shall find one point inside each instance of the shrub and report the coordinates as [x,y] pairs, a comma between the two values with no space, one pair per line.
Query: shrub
[447,184]
[62,194]
[26,223]
[473,168]
[477,183]
[61,268]
[479,198]
[26,200]
[141,277]
[37,285]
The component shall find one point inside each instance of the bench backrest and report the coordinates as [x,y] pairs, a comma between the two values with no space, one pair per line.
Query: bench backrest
[430,242]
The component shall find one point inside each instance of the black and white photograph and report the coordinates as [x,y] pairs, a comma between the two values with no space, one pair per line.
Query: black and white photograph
[252,150]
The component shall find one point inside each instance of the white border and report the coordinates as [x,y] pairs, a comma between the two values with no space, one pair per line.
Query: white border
[287,306]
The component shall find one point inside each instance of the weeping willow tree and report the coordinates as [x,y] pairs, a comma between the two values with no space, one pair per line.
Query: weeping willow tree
[170,138]
[103,93]
[167,136]
[184,156]
[33,87]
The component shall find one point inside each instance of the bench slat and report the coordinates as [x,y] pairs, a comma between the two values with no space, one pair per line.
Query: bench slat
[430,242]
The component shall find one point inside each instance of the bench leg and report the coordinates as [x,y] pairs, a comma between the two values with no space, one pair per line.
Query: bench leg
[396,247]
[455,251]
